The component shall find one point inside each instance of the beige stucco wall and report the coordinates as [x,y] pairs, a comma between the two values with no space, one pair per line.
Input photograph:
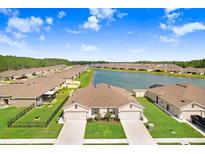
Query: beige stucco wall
[187,111]
[23,103]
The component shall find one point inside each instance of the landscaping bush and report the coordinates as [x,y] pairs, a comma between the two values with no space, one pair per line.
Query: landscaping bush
[98,117]
[108,116]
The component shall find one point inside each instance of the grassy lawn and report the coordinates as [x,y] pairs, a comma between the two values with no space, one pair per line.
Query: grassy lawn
[197,76]
[51,131]
[104,130]
[197,143]
[163,123]
[174,143]
[45,111]
[85,78]
[6,114]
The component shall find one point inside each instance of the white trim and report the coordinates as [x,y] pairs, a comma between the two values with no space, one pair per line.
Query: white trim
[76,104]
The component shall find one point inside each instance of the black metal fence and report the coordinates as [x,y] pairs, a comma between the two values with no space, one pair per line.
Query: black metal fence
[19,115]
[37,124]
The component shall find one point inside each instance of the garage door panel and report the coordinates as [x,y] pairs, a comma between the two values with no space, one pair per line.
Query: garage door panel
[75,116]
[129,115]
[187,114]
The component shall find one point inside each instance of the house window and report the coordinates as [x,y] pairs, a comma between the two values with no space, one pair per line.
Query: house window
[111,110]
[192,105]
[95,111]
[76,106]
[130,105]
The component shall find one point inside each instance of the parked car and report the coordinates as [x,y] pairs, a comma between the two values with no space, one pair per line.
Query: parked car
[196,119]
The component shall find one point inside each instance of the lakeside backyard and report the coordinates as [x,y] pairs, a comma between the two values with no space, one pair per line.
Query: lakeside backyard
[164,125]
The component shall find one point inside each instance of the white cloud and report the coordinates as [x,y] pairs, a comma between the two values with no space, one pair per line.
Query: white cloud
[49,20]
[88,47]
[105,13]
[121,15]
[67,45]
[173,41]
[172,17]
[18,44]
[163,26]
[72,31]
[92,23]
[129,32]
[61,14]
[188,28]
[170,10]
[42,37]
[25,25]
[137,50]
[47,28]
[18,35]
[9,12]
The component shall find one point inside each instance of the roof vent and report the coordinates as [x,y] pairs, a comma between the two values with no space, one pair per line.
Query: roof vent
[183,101]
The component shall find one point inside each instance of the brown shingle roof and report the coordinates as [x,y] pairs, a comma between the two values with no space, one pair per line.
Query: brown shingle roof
[100,96]
[181,94]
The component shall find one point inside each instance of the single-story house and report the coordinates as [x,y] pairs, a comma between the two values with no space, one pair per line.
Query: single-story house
[99,99]
[181,100]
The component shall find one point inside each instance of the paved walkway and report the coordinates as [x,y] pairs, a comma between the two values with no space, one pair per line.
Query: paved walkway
[72,133]
[136,133]
[105,141]
[27,141]
[180,140]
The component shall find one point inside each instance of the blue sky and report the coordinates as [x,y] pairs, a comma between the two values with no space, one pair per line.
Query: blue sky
[104,34]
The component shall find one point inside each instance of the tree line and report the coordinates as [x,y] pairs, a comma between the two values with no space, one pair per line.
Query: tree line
[16,63]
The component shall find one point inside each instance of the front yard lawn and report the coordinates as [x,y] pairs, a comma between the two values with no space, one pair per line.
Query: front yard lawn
[104,130]
[163,123]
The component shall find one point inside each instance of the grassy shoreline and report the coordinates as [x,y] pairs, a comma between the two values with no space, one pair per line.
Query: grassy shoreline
[194,76]
[86,78]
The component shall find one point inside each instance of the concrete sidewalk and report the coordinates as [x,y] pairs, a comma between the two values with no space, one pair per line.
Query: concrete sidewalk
[180,140]
[105,141]
[27,141]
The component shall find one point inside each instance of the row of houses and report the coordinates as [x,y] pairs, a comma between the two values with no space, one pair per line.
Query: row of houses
[180,100]
[171,68]
[32,72]
[37,90]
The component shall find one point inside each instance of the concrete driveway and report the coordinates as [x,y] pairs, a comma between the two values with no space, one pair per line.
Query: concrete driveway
[136,133]
[72,133]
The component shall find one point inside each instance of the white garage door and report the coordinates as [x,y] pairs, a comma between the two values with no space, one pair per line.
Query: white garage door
[126,115]
[75,115]
[187,114]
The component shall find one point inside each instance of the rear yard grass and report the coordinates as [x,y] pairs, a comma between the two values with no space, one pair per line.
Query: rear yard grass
[85,78]
[163,123]
[104,130]
[45,111]
[51,131]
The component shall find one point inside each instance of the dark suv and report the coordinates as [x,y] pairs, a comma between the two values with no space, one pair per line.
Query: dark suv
[196,119]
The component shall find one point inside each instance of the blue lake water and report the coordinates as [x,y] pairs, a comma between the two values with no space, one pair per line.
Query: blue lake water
[140,80]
